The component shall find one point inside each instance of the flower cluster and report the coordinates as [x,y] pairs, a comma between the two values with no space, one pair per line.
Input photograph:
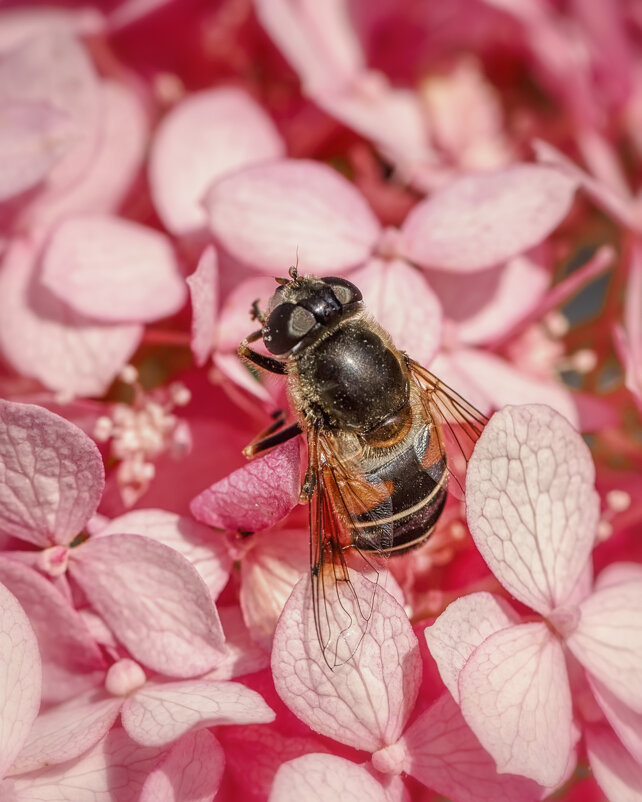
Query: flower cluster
[473,167]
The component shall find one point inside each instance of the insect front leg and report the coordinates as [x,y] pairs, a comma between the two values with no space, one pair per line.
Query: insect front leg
[260,360]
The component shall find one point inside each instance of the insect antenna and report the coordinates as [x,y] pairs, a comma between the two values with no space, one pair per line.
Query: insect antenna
[294,269]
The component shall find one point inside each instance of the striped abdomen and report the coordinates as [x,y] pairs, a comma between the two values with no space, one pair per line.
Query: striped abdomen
[415,479]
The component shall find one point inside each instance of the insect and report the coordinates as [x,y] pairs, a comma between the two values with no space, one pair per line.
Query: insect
[382,432]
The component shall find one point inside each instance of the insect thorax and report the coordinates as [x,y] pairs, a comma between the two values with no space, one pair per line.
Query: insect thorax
[351,378]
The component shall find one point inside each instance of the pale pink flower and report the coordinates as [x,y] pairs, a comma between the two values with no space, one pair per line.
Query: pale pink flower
[77,282]
[51,71]
[154,713]
[430,133]
[72,661]
[148,593]
[533,513]
[366,702]
[70,313]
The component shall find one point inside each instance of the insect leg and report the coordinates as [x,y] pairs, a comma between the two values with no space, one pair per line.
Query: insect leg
[260,360]
[256,314]
[273,440]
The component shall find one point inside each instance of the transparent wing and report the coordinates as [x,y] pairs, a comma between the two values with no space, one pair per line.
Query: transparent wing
[459,423]
[340,616]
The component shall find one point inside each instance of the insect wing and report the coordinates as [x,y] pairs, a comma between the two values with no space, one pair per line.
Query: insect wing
[340,615]
[459,423]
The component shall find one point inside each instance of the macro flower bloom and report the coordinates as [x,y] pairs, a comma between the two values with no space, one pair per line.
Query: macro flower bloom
[473,167]
[533,513]
[365,698]
[52,481]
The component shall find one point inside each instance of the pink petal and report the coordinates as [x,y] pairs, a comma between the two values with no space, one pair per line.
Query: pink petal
[42,337]
[393,119]
[20,23]
[113,270]
[612,202]
[243,656]
[617,773]
[159,713]
[204,137]
[115,769]
[256,496]
[234,322]
[531,505]
[266,215]
[154,601]
[495,300]
[232,368]
[190,772]
[502,214]
[320,42]
[461,628]
[608,640]
[203,290]
[20,678]
[114,165]
[616,573]
[53,67]
[400,300]
[515,697]
[366,700]
[197,543]
[269,572]
[317,39]
[64,732]
[128,12]
[51,475]
[498,382]
[254,753]
[318,777]
[626,722]
[444,755]
[32,140]
[71,659]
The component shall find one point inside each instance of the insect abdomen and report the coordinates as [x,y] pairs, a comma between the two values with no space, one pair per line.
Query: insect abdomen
[417,490]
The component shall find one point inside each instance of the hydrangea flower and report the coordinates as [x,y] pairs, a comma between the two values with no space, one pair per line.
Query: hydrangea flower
[533,513]
[154,590]
[52,478]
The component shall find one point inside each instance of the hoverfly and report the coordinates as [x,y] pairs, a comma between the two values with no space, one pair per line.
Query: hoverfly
[382,432]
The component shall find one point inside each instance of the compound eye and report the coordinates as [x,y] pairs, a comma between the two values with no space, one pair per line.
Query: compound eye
[344,291]
[286,326]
